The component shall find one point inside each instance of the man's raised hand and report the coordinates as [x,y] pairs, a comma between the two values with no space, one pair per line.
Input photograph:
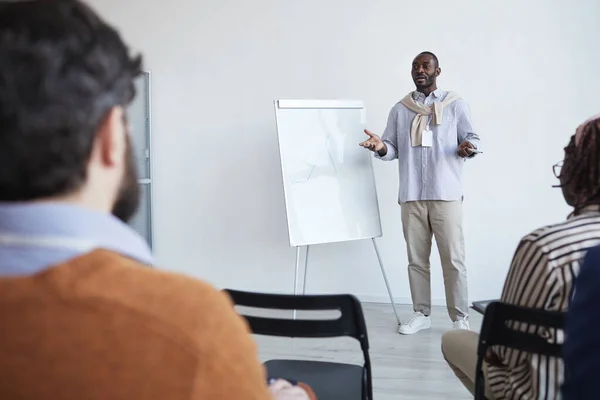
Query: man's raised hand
[373,143]
[465,149]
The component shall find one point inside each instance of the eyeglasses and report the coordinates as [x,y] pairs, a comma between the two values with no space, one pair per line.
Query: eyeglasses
[557,168]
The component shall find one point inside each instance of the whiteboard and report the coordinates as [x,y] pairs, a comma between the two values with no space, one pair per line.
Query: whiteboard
[328,181]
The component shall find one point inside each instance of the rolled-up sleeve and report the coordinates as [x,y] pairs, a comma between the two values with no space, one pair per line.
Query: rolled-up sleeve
[465,129]
[390,137]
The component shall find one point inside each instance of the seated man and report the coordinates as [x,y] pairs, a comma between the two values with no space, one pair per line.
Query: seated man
[541,276]
[82,317]
[582,341]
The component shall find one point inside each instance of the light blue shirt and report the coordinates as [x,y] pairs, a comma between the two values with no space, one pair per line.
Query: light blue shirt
[36,236]
[429,173]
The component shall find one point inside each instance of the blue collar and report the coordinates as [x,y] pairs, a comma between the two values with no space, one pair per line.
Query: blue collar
[437,93]
[24,225]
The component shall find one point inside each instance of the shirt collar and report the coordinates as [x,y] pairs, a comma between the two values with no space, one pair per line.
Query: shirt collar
[591,209]
[437,93]
[70,222]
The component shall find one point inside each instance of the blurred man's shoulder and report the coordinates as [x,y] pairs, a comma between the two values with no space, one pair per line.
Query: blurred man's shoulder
[129,286]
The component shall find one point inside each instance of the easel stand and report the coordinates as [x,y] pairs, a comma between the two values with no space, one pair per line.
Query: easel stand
[385,279]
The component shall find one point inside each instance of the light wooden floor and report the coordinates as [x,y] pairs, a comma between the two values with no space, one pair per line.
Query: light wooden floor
[404,367]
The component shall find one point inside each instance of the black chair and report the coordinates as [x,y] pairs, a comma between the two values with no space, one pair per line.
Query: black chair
[328,380]
[502,325]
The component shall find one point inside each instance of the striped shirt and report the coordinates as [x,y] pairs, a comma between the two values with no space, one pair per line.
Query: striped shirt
[542,276]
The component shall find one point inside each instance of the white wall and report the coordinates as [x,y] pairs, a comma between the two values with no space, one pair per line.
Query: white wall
[528,69]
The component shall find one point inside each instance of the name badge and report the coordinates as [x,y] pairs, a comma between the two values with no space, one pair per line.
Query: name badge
[427,138]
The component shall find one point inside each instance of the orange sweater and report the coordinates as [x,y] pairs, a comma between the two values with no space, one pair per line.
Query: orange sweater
[104,327]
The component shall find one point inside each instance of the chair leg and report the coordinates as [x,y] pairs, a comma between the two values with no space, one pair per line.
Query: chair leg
[365,394]
[479,381]
[367,386]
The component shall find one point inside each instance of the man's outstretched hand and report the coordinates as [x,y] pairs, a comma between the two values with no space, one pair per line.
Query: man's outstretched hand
[464,149]
[374,143]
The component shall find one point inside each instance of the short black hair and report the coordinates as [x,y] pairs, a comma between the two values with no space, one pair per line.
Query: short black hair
[428,53]
[62,69]
[581,167]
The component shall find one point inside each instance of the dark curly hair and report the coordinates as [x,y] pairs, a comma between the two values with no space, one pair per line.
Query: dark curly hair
[580,173]
[62,69]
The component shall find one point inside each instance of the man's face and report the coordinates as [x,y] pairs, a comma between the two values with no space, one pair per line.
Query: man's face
[128,198]
[424,71]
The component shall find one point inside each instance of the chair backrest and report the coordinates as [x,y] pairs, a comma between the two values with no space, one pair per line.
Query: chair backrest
[525,329]
[351,322]
[521,328]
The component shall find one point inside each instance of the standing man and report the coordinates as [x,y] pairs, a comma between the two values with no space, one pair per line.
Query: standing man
[430,133]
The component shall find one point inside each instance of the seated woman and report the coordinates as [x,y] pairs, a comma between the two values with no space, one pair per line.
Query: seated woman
[541,275]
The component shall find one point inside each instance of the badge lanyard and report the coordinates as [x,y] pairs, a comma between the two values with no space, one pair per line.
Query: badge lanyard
[427,136]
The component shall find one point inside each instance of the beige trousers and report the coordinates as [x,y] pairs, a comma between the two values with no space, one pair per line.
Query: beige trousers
[460,351]
[421,220]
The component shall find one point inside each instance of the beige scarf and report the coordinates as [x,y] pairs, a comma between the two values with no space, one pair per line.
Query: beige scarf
[420,122]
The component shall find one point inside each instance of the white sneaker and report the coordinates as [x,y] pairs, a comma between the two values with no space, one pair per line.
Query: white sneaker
[462,323]
[416,323]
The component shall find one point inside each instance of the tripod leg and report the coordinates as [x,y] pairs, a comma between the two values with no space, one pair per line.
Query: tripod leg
[296,274]
[305,270]
[387,283]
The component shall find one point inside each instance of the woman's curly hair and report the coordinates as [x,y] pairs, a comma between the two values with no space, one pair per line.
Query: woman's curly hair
[580,174]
